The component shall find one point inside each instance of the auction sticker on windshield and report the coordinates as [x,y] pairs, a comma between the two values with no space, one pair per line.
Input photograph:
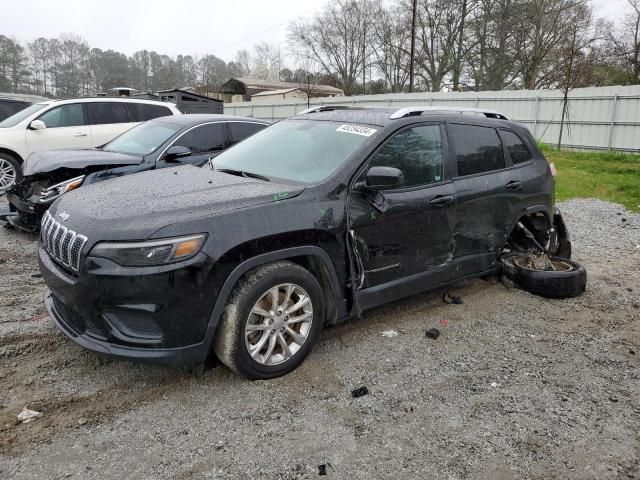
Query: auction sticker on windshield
[357,129]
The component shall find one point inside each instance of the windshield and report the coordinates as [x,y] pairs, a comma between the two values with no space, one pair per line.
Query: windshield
[143,139]
[299,150]
[15,119]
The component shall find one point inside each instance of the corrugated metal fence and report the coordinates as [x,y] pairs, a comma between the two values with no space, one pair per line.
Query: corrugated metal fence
[604,118]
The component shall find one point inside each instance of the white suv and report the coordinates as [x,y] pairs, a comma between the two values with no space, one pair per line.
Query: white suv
[76,123]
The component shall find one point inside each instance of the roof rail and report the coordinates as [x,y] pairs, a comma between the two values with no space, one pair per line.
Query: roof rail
[323,108]
[409,111]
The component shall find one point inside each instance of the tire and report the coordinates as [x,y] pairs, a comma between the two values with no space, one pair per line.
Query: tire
[546,283]
[10,171]
[253,293]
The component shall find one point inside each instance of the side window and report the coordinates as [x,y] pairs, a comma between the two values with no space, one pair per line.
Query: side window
[417,151]
[203,139]
[71,115]
[515,146]
[101,113]
[141,112]
[478,149]
[238,131]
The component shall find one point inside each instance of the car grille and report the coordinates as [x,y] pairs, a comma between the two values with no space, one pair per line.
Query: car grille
[62,244]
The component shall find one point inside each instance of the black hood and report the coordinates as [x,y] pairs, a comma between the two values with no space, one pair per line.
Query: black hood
[135,206]
[50,160]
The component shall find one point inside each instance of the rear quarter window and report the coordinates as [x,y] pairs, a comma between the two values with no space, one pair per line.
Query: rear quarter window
[141,112]
[478,149]
[101,113]
[517,149]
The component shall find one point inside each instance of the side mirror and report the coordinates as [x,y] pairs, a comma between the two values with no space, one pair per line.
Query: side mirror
[37,125]
[176,152]
[384,178]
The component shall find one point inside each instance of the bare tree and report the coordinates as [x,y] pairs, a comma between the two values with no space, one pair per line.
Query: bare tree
[544,26]
[392,41]
[624,42]
[437,32]
[337,39]
[490,41]
[574,64]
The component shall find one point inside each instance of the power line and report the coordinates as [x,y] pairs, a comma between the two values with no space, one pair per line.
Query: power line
[267,30]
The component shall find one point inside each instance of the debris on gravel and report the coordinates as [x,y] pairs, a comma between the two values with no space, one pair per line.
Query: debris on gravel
[359,392]
[432,333]
[564,404]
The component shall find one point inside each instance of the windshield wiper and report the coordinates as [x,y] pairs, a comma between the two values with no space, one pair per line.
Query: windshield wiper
[242,173]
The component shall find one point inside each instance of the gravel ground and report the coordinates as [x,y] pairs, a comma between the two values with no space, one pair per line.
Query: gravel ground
[516,386]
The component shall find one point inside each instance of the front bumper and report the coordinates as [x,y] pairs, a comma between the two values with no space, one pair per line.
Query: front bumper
[24,214]
[150,314]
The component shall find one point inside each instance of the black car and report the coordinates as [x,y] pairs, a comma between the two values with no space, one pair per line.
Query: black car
[306,223]
[158,143]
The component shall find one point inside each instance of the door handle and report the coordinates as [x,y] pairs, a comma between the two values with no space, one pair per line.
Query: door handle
[441,200]
[80,134]
[514,185]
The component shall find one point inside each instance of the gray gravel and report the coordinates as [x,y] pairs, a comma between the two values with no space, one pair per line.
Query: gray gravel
[516,386]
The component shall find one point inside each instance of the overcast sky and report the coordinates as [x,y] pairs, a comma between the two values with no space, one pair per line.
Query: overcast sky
[174,27]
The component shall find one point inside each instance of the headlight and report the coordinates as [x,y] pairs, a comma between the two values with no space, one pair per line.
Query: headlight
[155,252]
[49,194]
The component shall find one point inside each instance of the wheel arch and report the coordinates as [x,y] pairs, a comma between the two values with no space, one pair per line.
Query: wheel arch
[12,153]
[313,258]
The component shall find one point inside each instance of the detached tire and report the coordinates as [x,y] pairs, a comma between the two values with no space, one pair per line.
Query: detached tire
[272,319]
[568,280]
[10,171]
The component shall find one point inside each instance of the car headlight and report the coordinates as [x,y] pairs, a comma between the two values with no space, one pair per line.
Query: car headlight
[154,252]
[49,194]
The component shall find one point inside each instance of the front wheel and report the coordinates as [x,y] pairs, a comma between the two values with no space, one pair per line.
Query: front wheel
[273,318]
[10,172]
[551,277]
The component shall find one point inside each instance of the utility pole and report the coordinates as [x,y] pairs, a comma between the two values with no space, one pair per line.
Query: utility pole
[413,44]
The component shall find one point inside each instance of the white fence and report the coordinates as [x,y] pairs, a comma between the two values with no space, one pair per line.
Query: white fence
[604,118]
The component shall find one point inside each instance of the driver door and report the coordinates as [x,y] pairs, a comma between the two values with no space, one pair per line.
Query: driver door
[66,128]
[405,231]
[204,141]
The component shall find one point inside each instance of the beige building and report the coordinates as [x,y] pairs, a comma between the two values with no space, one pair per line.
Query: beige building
[249,87]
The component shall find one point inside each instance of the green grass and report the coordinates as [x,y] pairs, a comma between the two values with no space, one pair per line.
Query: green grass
[610,176]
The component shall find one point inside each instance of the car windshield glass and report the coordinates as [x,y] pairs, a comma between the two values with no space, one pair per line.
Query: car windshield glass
[15,119]
[144,139]
[298,150]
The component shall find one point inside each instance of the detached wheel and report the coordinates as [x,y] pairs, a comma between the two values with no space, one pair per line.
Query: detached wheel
[273,318]
[559,278]
[10,172]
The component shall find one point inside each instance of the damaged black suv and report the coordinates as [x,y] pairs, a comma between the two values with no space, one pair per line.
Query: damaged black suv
[304,224]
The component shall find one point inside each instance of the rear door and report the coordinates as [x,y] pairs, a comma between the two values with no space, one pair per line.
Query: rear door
[406,231]
[487,190]
[108,120]
[66,128]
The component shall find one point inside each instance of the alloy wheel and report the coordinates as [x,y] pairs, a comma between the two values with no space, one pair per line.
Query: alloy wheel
[7,174]
[279,323]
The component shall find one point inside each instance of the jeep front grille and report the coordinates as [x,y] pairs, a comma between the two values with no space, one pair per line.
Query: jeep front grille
[62,244]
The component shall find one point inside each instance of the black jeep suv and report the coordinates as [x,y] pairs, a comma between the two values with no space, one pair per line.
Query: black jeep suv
[306,223]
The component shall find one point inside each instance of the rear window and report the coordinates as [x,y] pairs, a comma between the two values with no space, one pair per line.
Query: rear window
[101,113]
[478,149]
[518,151]
[238,131]
[141,112]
